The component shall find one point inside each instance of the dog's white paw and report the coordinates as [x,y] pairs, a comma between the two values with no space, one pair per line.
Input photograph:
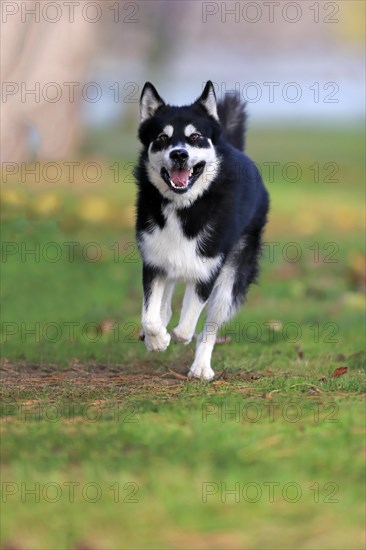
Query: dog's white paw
[201,371]
[181,336]
[157,342]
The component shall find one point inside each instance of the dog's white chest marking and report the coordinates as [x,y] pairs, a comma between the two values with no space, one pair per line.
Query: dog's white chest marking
[169,249]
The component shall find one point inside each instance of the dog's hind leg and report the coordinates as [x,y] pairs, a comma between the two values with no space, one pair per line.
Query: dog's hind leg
[239,271]
[221,307]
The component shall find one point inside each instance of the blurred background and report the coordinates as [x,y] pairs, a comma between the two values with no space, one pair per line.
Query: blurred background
[72,73]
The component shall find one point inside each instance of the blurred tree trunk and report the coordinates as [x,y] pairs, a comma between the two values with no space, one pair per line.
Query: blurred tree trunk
[35,54]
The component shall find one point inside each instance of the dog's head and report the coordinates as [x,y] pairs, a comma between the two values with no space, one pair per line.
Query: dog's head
[180,143]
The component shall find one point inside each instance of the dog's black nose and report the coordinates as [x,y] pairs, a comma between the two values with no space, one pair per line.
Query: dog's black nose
[179,156]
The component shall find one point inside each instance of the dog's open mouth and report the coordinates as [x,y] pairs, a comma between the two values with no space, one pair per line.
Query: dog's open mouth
[181,180]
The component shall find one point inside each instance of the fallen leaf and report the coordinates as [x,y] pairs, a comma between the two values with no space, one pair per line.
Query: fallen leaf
[355,300]
[340,371]
[94,209]
[47,204]
[12,197]
[300,353]
[356,273]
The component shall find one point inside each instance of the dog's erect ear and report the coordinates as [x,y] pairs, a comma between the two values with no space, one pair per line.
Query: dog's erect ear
[150,101]
[208,100]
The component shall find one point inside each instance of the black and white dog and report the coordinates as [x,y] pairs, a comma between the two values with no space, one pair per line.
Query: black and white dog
[201,209]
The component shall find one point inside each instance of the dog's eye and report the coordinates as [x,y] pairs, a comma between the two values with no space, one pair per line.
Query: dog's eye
[194,137]
[162,138]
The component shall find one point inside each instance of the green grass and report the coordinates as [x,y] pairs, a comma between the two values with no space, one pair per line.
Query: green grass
[84,402]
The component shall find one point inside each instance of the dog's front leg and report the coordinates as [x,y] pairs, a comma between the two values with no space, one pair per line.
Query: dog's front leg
[156,335]
[193,305]
[166,305]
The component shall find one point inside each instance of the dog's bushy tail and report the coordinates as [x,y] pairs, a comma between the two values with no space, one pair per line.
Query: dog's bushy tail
[233,118]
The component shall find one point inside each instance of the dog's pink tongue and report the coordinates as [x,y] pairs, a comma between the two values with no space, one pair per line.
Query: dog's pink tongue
[180,178]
